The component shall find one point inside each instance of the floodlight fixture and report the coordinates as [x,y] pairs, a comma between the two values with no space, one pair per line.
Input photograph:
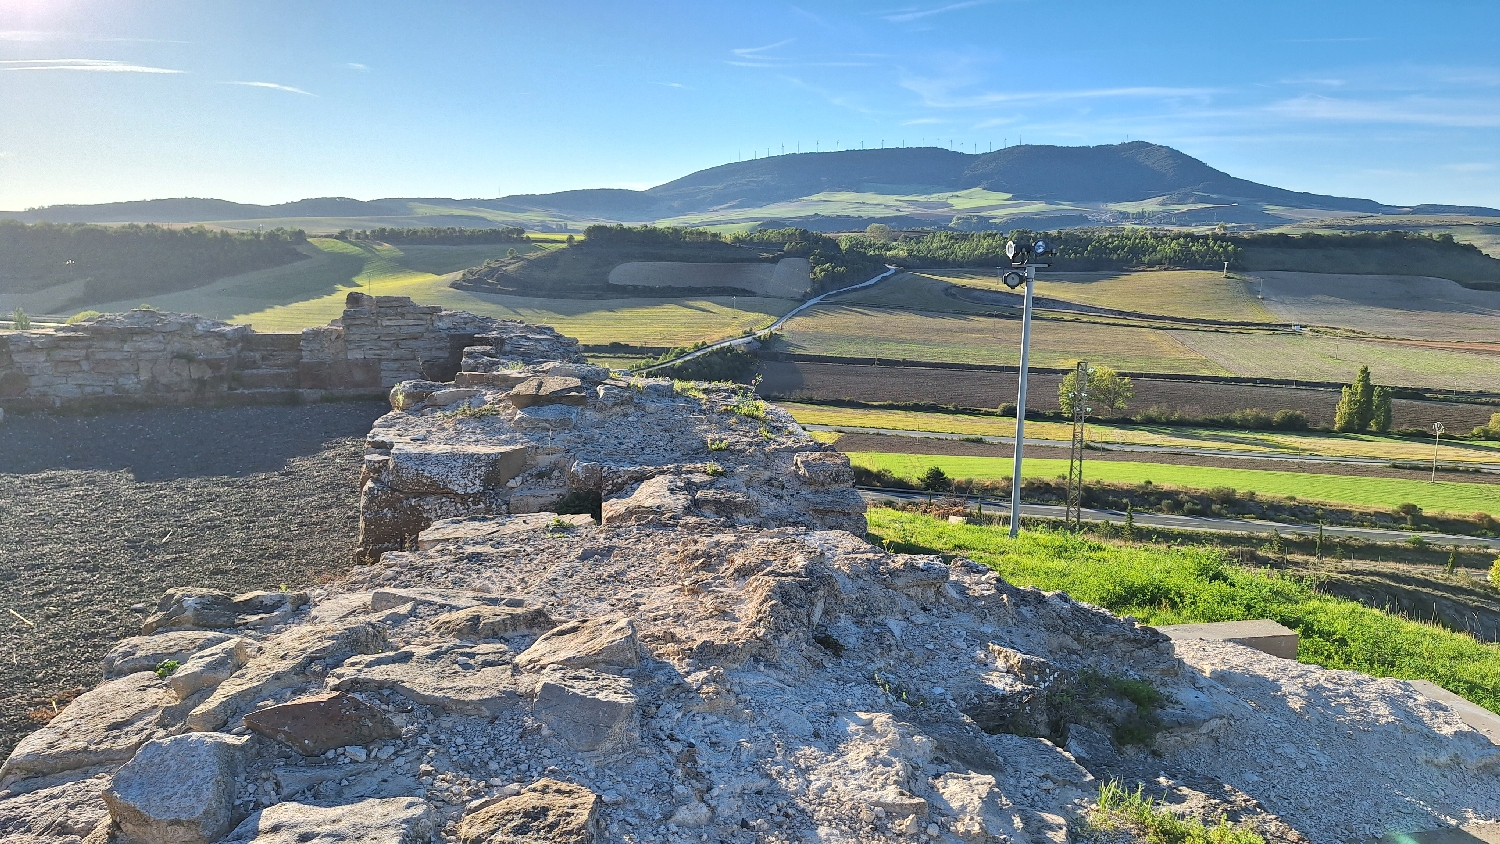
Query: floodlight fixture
[1013,278]
[1041,248]
[1011,249]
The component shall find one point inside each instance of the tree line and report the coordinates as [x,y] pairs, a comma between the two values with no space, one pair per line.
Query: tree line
[1077,249]
[118,262]
[436,235]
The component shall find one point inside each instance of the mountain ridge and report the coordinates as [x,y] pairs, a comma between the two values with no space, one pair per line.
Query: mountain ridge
[1114,173]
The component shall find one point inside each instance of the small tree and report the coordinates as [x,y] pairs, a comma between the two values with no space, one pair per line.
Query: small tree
[934,480]
[1495,573]
[1108,390]
[19,320]
[1380,415]
[880,231]
[1356,405]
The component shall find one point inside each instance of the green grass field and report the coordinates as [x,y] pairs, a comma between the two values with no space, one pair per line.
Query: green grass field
[1160,585]
[1189,294]
[1444,496]
[312,292]
[852,331]
[1284,442]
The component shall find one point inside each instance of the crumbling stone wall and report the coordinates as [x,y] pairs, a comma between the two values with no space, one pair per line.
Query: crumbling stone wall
[147,356]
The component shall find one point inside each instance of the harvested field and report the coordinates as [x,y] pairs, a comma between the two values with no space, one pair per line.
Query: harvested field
[852,331]
[1185,294]
[1314,357]
[958,448]
[1390,306]
[983,389]
[102,514]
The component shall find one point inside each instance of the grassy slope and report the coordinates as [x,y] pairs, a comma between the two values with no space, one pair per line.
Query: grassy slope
[312,292]
[852,331]
[1191,294]
[1445,496]
[1180,585]
[1326,445]
[1313,357]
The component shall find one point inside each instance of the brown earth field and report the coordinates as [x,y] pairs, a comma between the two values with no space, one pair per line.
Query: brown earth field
[959,448]
[982,389]
[102,514]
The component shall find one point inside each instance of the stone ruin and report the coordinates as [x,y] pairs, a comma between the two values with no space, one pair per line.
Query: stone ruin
[702,648]
[147,356]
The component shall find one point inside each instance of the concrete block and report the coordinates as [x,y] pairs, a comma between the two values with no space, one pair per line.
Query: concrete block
[1470,713]
[1261,634]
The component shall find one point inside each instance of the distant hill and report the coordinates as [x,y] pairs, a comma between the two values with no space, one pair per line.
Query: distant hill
[1076,180]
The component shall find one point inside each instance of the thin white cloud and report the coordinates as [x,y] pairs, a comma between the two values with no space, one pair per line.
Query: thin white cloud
[911,14]
[274,87]
[1420,111]
[671,85]
[362,68]
[922,121]
[38,36]
[749,52]
[91,65]
[1466,167]
[939,93]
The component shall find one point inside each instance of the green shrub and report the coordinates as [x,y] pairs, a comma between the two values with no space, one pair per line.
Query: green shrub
[1289,420]
[19,320]
[81,316]
[1118,807]
[935,480]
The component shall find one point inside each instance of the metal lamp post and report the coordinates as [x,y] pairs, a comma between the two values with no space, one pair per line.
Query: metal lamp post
[1437,436]
[1022,270]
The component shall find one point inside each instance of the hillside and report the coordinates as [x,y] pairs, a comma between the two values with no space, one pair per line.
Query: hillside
[1037,186]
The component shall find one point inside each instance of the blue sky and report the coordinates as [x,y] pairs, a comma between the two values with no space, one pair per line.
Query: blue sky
[270,101]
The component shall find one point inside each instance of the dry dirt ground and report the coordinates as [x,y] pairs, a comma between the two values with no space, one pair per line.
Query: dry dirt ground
[99,515]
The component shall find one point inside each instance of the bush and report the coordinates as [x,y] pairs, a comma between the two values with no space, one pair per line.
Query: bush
[1289,420]
[1495,573]
[81,316]
[19,320]
[935,480]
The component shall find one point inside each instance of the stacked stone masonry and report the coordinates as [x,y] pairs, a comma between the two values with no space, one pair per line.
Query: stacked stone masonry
[146,356]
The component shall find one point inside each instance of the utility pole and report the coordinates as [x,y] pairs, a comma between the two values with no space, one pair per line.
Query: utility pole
[1074,516]
[1021,271]
[1437,436]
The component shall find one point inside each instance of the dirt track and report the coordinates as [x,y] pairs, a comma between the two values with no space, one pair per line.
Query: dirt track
[101,514]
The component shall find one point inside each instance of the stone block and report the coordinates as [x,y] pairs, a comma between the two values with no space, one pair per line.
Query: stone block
[607,644]
[455,469]
[499,380]
[317,724]
[184,608]
[485,622]
[178,790]
[467,679]
[395,820]
[547,391]
[1261,634]
[105,724]
[144,653]
[547,811]
[208,668]
[593,712]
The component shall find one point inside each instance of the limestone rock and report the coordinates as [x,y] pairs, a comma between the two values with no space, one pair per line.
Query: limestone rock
[548,390]
[409,394]
[661,497]
[280,666]
[502,379]
[607,644]
[105,724]
[256,603]
[476,530]
[178,790]
[192,608]
[453,469]
[593,712]
[484,622]
[474,680]
[396,820]
[316,724]
[824,468]
[208,667]
[546,812]
[74,807]
[144,653]
[450,396]
[387,599]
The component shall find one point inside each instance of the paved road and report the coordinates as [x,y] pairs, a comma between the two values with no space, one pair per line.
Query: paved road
[1157,449]
[1200,523]
[775,326]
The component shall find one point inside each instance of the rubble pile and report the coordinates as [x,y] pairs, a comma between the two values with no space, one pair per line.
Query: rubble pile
[603,609]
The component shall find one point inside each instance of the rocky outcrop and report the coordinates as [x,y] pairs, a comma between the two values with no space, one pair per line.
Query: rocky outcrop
[721,656]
